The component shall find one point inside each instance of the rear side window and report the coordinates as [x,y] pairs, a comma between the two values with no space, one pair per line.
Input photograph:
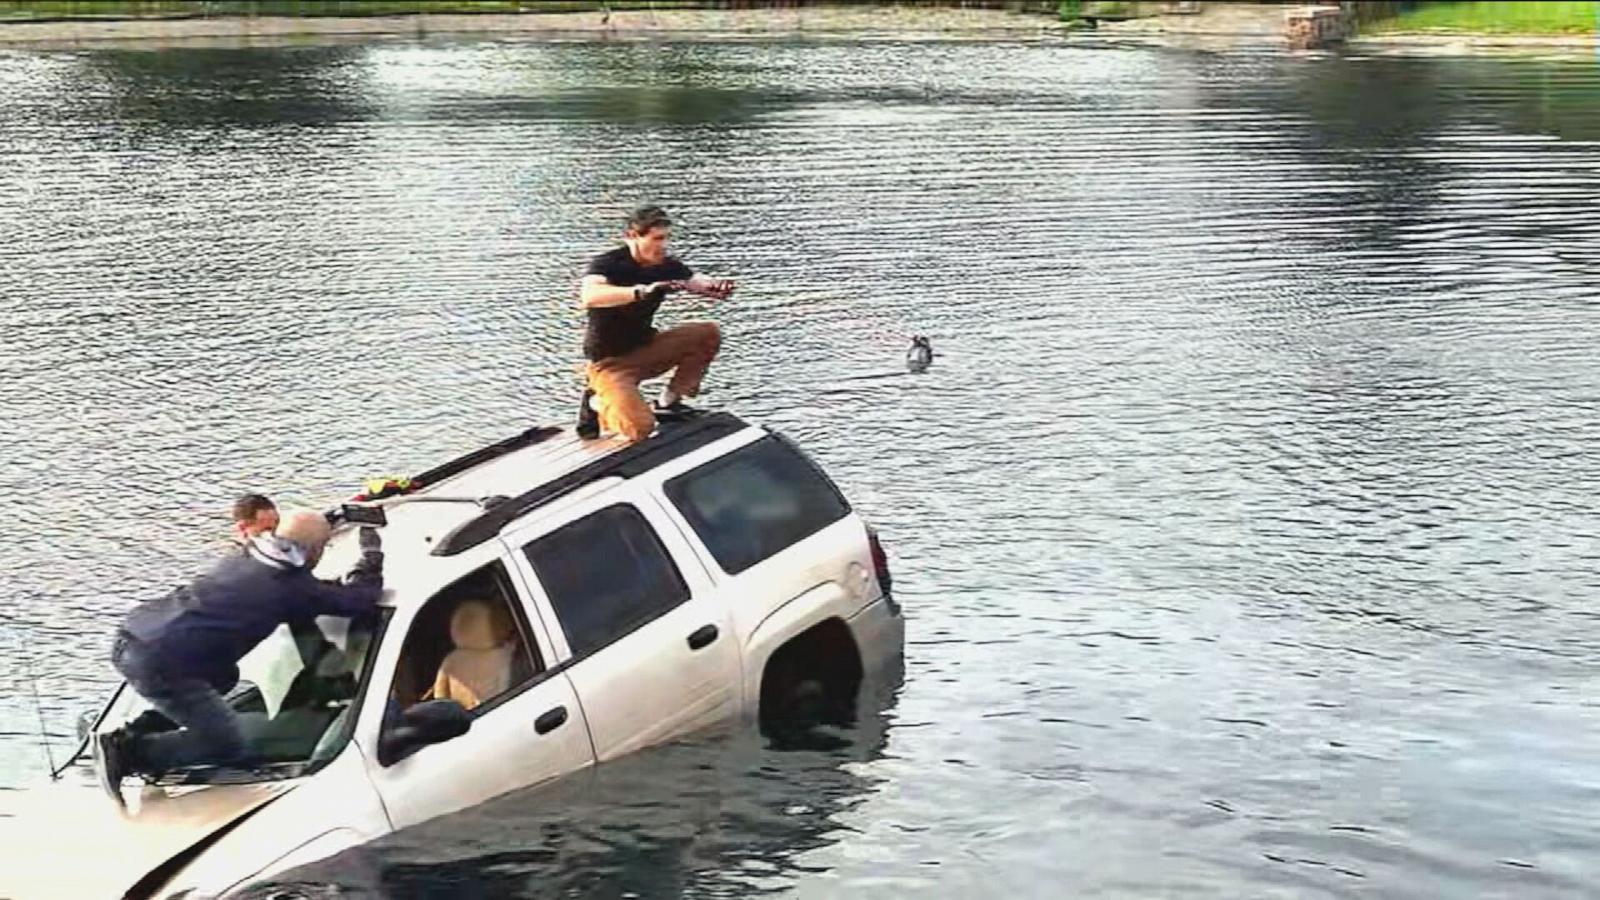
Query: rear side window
[606,575]
[755,502]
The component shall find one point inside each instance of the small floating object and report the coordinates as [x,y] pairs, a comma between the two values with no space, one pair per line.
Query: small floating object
[920,356]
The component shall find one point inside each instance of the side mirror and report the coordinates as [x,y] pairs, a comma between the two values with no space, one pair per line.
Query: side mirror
[430,722]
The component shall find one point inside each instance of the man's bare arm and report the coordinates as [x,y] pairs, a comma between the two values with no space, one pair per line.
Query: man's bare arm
[595,292]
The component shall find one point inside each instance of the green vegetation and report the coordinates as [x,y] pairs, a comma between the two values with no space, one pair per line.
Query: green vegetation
[141,9]
[1069,10]
[1494,18]
[1074,10]
[137,9]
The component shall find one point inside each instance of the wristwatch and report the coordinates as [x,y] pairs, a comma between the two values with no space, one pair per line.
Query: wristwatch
[638,292]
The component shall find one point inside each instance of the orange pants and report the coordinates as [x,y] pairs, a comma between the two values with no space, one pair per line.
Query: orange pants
[686,350]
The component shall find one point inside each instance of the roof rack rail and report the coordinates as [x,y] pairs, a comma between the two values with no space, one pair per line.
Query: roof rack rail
[675,439]
[535,435]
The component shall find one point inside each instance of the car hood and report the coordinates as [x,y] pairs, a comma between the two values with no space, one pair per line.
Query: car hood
[70,840]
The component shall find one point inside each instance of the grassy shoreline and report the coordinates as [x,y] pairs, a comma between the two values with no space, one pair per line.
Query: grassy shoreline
[136,10]
[1435,28]
[1493,19]
[140,10]
[642,21]
[1505,17]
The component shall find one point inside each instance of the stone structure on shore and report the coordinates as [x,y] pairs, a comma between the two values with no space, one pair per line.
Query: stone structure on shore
[1310,27]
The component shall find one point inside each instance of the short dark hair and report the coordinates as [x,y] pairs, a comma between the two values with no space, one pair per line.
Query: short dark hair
[246,508]
[647,217]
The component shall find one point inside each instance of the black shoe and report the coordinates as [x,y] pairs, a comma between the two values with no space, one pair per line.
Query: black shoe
[588,420]
[111,762]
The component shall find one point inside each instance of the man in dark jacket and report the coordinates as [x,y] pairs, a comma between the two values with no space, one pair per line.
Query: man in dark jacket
[181,652]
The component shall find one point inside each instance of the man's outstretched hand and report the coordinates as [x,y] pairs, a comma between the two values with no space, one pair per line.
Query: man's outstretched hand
[715,288]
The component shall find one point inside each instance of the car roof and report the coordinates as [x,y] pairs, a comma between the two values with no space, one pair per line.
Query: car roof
[460,506]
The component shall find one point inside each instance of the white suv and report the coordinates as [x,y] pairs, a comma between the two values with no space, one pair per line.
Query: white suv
[641,592]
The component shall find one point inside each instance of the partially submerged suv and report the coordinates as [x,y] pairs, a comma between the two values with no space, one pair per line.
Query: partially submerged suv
[624,595]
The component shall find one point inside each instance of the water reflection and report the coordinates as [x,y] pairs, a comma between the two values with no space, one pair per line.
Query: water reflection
[211,88]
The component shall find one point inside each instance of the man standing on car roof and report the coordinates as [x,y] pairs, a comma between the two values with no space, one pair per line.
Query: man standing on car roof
[620,292]
[181,652]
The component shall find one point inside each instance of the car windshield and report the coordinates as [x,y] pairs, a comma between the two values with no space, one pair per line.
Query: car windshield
[296,699]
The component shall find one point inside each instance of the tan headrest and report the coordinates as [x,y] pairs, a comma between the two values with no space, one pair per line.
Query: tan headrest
[480,625]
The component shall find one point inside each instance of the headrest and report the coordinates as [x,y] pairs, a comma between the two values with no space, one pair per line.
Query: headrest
[480,625]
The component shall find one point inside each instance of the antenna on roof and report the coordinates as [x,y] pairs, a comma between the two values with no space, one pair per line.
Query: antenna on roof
[38,706]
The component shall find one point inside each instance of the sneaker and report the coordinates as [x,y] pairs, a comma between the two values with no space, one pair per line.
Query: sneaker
[676,409]
[111,763]
[588,420]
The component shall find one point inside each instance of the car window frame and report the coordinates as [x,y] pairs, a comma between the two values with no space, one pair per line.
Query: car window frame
[358,702]
[656,529]
[671,490]
[522,620]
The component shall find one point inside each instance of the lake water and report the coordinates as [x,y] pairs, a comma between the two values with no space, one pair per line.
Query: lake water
[1246,522]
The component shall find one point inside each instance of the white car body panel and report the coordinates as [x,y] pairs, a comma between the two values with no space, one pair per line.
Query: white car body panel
[502,752]
[50,832]
[338,800]
[648,686]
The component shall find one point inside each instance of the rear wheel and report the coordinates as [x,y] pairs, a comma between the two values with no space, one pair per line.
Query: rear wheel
[812,680]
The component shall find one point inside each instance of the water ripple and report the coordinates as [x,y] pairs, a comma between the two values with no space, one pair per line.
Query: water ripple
[1245,520]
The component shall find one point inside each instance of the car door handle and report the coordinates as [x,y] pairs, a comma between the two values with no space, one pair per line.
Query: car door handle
[551,720]
[702,637]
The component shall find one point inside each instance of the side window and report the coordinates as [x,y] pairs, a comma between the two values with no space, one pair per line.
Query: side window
[469,643]
[606,574]
[755,502]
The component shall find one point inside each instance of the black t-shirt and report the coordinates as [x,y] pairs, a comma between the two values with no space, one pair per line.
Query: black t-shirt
[615,330]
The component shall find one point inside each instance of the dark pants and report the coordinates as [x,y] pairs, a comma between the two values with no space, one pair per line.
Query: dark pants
[210,733]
